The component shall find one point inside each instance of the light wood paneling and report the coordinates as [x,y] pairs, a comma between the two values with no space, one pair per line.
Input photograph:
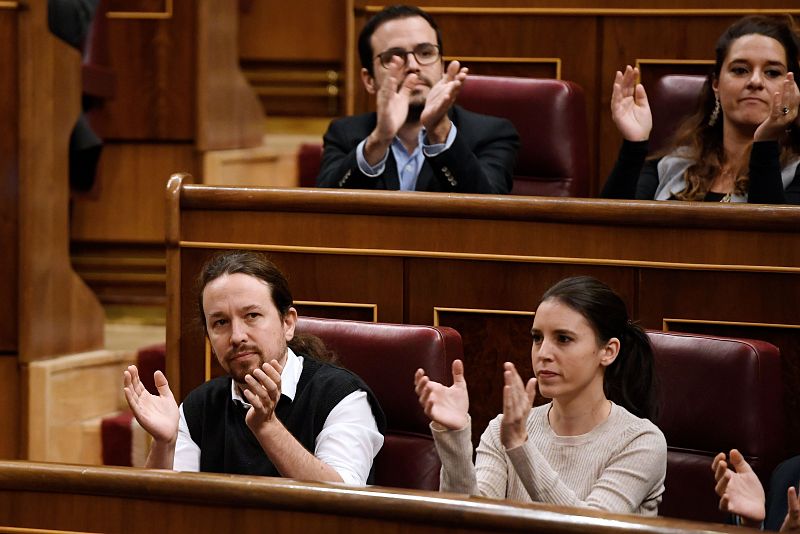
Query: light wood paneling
[64,395]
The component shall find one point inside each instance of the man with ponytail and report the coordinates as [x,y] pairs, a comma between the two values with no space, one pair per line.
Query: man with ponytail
[281,410]
[593,445]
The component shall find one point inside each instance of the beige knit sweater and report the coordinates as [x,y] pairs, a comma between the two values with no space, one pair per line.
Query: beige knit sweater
[619,466]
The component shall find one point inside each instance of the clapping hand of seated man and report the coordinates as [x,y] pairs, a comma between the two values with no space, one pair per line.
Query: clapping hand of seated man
[783,112]
[740,492]
[630,109]
[446,406]
[391,102]
[262,392]
[517,403]
[157,414]
[441,97]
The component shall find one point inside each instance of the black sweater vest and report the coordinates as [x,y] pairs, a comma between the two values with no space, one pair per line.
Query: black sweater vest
[216,422]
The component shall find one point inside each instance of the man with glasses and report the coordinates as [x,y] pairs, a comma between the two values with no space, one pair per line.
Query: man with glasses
[417,140]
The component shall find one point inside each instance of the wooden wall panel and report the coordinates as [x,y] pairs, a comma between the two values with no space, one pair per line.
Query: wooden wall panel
[154,63]
[300,31]
[9,178]
[132,180]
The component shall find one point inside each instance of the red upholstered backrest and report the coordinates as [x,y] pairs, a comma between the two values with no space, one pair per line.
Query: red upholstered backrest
[672,99]
[386,356]
[550,116]
[717,394]
[309,161]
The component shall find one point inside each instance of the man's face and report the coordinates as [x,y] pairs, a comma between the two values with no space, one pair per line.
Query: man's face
[243,324]
[404,33]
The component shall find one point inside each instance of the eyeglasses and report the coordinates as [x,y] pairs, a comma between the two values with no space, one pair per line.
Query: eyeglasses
[424,53]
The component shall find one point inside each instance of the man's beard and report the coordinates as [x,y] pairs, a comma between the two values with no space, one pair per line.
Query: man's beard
[414,112]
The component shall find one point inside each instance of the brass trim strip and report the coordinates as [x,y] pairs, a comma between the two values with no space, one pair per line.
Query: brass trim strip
[591,12]
[492,257]
[26,530]
[374,307]
[438,309]
[666,61]
[498,59]
[140,15]
[123,277]
[665,324]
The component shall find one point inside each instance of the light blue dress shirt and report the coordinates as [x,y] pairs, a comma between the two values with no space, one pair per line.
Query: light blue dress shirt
[408,165]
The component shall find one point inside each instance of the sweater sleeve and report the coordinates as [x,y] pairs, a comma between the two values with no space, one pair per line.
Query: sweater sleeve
[623,485]
[766,185]
[488,477]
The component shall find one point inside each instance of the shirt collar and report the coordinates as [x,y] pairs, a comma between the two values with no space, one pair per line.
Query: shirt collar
[290,376]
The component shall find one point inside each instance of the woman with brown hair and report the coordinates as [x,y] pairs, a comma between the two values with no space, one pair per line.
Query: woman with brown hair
[741,145]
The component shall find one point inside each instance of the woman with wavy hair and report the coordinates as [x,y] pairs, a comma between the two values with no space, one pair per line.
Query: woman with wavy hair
[743,142]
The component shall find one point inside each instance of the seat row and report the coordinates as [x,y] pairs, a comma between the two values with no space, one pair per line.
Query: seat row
[717,393]
[550,117]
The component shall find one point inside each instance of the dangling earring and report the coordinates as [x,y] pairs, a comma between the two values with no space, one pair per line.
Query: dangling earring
[714,114]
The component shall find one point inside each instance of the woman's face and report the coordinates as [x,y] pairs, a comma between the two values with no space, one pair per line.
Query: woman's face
[753,71]
[566,357]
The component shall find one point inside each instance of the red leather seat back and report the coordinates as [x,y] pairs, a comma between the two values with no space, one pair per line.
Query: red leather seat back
[309,161]
[672,99]
[550,116]
[386,356]
[717,394]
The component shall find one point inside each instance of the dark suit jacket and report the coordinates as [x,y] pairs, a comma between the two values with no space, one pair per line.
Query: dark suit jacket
[480,160]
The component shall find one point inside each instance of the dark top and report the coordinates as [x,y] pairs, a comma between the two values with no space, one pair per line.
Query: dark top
[635,177]
[217,422]
[480,160]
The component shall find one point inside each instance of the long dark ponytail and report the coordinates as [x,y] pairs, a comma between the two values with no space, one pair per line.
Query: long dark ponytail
[630,380]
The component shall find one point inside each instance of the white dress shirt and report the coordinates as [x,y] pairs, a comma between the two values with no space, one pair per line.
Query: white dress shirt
[348,442]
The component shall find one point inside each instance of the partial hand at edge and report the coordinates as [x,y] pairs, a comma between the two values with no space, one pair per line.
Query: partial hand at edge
[739,489]
[792,521]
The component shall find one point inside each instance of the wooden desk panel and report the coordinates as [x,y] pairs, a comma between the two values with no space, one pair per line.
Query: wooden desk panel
[117,500]
[480,264]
